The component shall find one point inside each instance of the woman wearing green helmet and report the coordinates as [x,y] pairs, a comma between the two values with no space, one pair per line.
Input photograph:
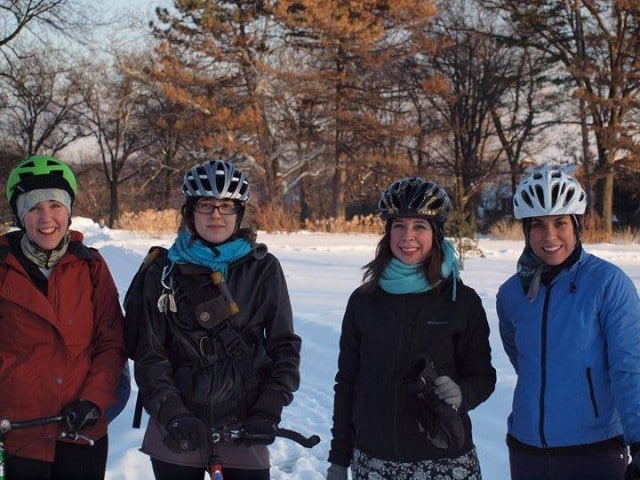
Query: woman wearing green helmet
[61,335]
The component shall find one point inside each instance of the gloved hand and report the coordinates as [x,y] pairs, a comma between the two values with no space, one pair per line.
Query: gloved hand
[80,415]
[633,469]
[448,391]
[437,419]
[336,472]
[186,432]
[259,431]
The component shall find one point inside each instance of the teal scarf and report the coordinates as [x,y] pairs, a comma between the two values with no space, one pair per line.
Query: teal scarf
[188,249]
[399,278]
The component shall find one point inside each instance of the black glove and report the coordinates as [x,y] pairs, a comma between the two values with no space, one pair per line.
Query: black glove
[437,419]
[80,415]
[259,431]
[633,469]
[186,432]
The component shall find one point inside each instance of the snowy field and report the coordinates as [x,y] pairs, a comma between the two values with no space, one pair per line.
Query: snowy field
[322,270]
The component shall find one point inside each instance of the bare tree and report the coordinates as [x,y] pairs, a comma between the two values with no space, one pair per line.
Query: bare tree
[597,44]
[115,105]
[36,19]
[345,51]
[41,103]
[476,73]
[214,60]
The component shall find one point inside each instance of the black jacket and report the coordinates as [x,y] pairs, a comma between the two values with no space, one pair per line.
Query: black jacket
[381,335]
[181,367]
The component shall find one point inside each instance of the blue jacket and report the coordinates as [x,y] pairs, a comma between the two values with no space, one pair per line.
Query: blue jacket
[576,350]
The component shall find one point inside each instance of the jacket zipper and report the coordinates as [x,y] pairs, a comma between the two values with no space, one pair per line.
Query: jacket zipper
[543,365]
[396,388]
[399,361]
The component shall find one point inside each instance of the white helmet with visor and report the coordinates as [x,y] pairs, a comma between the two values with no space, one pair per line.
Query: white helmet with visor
[549,191]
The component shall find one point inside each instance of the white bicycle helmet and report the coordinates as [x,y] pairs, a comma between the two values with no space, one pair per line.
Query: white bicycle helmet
[218,179]
[549,191]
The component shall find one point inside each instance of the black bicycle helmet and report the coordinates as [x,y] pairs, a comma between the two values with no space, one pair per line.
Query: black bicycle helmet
[415,197]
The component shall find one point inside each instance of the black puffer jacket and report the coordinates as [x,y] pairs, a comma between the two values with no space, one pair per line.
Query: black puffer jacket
[180,367]
[381,335]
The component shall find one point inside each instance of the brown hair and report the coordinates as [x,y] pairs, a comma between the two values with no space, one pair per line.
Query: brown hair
[431,267]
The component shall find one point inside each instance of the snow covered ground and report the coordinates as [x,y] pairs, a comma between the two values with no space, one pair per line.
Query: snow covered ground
[322,270]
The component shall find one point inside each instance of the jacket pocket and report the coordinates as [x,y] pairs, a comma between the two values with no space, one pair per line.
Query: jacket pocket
[592,393]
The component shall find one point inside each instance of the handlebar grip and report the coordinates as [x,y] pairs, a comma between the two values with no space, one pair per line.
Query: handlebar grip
[307,442]
[35,422]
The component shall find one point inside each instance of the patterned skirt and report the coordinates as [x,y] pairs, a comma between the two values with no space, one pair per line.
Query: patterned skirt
[464,467]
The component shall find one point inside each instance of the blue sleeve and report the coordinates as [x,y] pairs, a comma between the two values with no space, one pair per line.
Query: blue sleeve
[507,331]
[620,320]
[122,394]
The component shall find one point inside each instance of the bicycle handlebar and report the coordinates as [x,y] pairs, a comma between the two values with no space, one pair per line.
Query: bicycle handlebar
[219,435]
[306,442]
[7,425]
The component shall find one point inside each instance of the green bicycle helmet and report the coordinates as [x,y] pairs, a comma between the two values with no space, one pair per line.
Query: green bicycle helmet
[40,171]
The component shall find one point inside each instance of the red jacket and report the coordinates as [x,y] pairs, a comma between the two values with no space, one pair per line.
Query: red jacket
[55,349]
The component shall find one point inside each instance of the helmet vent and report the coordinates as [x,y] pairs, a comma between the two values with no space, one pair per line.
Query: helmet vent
[540,195]
[415,197]
[549,191]
[218,179]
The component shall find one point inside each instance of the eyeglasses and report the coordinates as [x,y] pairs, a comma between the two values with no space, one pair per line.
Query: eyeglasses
[223,209]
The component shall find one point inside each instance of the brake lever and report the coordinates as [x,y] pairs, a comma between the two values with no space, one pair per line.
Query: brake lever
[74,437]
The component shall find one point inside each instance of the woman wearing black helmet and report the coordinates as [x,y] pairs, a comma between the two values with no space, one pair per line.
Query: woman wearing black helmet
[215,345]
[414,352]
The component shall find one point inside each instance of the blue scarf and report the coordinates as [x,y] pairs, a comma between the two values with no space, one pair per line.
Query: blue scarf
[399,278]
[188,249]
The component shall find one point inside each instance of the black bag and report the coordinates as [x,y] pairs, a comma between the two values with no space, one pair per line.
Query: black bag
[439,421]
[134,300]
[133,305]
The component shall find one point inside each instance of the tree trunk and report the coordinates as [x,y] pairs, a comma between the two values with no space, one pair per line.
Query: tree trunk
[114,208]
[607,204]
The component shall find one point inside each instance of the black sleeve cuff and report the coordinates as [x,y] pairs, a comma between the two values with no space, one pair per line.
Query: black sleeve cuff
[171,408]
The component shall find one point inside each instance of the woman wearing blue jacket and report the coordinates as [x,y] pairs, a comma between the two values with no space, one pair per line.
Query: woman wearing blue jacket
[570,324]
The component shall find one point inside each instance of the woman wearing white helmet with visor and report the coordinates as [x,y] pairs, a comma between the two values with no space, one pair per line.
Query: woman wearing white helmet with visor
[569,323]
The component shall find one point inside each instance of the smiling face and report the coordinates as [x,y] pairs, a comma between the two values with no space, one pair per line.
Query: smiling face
[552,238]
[411,239]
[215,227]
[46,223]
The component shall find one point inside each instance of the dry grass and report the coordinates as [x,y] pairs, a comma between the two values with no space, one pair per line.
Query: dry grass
[269,219]
[627,235]
[358,224]
[272,219]
[592,232]
[507,230]
[151,221]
